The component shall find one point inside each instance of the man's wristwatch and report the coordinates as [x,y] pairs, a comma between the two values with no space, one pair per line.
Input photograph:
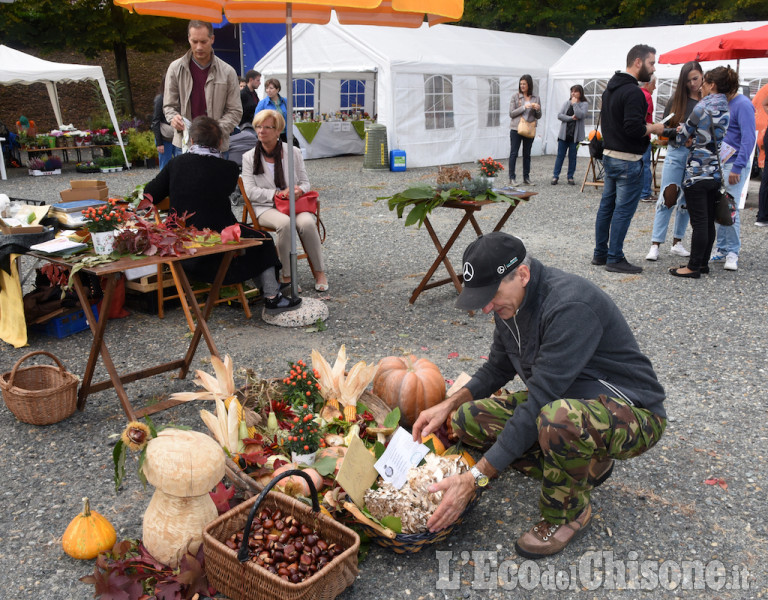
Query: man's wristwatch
[481,480]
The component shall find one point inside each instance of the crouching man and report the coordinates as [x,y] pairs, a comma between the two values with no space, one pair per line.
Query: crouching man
[592,395]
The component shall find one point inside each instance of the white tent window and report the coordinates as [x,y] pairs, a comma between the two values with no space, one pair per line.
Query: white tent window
[352,94]
[593,93]
[755,85]
[438,101]
[489,101]
[303,94]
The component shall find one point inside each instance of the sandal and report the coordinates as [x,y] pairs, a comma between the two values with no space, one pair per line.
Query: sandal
[321,287]
[571,181]
[554,181]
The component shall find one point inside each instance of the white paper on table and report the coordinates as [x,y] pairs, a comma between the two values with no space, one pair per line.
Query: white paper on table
[346,126]
[59,244]
[401,454]
[336,126]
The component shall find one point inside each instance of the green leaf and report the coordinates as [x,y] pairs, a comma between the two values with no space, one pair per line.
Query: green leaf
[418,214]
[394,523]
[325,466]
[118,456]
[151,425]
[418,193]
[378,450]
[142,458]
[392,419]
[430,445]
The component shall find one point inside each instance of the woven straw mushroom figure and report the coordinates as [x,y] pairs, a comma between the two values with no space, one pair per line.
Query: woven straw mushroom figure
[184,466]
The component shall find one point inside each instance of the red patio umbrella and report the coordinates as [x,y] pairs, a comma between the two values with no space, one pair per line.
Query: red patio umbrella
[752,43]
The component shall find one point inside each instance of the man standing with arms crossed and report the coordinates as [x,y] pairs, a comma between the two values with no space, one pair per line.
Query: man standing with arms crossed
[198,84]
[625,138]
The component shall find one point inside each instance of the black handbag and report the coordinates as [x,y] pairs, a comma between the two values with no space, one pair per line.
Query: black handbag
[725,203]
[596,141]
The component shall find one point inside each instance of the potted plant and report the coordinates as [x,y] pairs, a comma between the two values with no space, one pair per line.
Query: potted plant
[50,166]
[490,168]
[304,437]
[141,147]
[103,223]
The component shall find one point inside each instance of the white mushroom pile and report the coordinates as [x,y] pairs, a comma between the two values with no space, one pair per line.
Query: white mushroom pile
[413,503]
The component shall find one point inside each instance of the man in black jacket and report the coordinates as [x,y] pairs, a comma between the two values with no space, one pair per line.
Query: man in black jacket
[592,395]
[625,138]
[248,95]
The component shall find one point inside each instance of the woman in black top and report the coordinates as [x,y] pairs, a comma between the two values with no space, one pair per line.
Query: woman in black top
[199,183]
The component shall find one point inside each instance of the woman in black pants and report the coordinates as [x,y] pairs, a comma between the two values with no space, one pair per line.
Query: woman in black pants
[527,107]
[702,134]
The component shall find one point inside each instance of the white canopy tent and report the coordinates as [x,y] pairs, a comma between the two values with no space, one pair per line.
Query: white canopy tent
[593,59]
[17,67]
[443,92]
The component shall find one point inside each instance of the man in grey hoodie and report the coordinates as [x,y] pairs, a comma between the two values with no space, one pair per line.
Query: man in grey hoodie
[592,396]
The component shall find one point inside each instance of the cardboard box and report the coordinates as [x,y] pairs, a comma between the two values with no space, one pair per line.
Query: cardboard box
[87,183]
[8,229]
[84,194]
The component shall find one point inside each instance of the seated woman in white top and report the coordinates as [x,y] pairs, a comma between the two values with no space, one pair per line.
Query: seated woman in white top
[266,177]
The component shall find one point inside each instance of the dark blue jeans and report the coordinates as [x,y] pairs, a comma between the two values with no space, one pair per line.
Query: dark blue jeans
[514,143]
[762,210]
[571,148]
[621,195]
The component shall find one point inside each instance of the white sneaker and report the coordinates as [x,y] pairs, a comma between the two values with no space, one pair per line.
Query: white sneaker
[717,256]
[731,262]
[653,253]
[679,250]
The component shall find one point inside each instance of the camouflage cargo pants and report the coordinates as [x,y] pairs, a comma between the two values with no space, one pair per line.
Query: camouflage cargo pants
[571,434]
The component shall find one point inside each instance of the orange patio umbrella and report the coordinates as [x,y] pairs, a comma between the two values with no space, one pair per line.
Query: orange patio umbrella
[390,13]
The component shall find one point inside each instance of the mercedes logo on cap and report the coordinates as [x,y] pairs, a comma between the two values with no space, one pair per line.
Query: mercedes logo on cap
[469,272]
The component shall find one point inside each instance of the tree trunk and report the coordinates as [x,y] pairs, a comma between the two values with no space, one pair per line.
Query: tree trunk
[119,49]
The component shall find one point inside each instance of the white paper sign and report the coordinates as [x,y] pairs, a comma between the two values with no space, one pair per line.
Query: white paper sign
[401,454]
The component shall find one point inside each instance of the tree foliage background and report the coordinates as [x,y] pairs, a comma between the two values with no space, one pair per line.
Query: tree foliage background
[569,19]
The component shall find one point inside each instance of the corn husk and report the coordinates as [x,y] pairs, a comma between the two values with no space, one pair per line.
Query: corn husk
[221,385]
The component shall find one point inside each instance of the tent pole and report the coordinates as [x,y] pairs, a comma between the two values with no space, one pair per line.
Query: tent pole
[240,44]
[289,134]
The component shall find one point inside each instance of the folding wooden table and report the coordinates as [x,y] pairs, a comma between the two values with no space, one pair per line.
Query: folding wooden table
[470,207]
[112,272]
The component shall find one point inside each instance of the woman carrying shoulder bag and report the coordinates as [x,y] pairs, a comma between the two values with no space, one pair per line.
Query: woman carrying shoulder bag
[524,112]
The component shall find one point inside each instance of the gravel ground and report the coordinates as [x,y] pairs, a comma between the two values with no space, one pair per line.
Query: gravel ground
[706,338]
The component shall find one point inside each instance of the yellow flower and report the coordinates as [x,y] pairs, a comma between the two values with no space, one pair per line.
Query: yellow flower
[136,435]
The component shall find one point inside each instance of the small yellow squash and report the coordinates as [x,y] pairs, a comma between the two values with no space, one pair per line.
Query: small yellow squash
[88,534]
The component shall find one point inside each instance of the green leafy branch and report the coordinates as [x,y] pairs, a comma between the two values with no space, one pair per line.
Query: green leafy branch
[424,198]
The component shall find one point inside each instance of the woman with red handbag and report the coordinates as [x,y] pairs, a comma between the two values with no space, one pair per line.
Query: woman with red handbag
[266,183]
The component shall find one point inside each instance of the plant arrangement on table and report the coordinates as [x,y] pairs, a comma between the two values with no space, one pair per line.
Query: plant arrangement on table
[490,167]
[453,185]
[108,217]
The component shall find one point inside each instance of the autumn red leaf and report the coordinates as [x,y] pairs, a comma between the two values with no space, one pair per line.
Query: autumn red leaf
[717,481]
[453,355]
[230,234]
[221,497]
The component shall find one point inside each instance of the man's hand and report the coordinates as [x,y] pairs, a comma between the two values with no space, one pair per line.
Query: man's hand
[657,128]
[734,178]
[160,149]
[431,419]
[457,492]
[177,122]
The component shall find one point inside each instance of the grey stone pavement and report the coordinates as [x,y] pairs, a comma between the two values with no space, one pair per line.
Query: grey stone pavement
[659,530]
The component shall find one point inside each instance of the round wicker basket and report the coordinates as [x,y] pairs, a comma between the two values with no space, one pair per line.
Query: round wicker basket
[40,394]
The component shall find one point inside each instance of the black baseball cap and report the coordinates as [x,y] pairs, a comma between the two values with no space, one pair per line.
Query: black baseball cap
[485,263]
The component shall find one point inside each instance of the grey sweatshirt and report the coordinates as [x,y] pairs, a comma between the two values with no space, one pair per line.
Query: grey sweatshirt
[567,336]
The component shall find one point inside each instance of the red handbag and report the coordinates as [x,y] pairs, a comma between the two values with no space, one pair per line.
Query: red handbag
[304,203]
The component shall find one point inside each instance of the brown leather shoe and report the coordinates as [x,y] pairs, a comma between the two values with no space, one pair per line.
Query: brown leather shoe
[599,471]
[546,539]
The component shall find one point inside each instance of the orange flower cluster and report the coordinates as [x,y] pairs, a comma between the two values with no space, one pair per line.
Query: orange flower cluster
[304,436]
[490,167]
[302,385]
[106,217]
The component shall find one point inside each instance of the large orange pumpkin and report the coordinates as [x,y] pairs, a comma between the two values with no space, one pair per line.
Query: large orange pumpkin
[410,383]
